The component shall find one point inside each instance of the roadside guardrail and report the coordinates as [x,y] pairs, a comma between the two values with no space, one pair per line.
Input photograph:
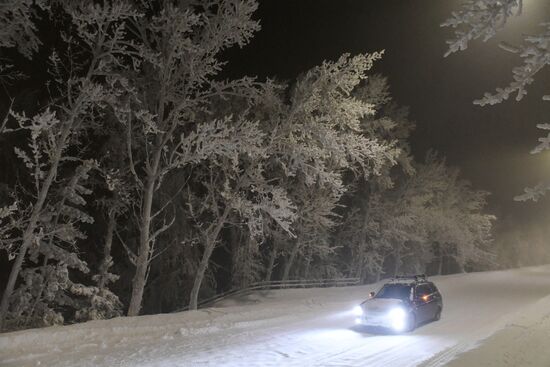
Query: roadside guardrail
[277,284]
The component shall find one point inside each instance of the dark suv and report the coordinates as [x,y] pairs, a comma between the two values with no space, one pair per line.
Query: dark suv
[401,304]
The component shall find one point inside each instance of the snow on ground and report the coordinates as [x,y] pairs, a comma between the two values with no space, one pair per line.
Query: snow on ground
[523,342]
[311,327]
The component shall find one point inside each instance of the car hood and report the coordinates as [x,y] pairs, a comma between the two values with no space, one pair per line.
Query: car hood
[381,304]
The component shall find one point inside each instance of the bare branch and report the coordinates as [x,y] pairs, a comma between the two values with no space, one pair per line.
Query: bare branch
[131,254]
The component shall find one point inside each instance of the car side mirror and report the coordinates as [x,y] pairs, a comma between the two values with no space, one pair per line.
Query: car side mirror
[371,295]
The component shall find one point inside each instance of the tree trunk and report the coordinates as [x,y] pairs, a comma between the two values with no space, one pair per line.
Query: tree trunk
[397,260]
[28,234]
[360,268]
[378,274]
[308,264]
[142,261]
[248,272]
[144,250]
[460,267]
[364,238]
[290,262]
[43,271]
[440,266]
[271,263]
[203,265]
[106,262]
[235,246]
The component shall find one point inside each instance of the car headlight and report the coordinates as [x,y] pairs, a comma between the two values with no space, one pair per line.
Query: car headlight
[358,310]
[397,313]
[398,318]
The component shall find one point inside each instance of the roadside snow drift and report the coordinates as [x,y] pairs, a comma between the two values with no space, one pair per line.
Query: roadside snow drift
[311,327]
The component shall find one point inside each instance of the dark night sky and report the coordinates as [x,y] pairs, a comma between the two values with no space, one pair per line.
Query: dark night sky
[491,144]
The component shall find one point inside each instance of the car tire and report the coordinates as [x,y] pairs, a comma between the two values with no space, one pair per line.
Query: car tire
[437,315]
[411,323]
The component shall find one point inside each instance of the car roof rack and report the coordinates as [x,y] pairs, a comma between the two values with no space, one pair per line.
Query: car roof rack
[416,278]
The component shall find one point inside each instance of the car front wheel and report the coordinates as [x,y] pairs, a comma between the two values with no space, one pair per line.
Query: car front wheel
[437,315]
[411,322]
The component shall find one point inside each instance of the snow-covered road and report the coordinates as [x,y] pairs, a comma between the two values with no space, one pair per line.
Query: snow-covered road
[309,327]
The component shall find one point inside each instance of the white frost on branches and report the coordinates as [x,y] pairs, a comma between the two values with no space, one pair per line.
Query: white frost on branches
[483,19]
[479,19]
[18,29]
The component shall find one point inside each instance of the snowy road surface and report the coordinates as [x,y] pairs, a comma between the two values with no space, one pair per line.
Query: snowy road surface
[309,327]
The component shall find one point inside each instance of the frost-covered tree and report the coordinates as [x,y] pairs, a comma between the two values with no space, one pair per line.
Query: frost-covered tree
[391,124]
[483,19]
[47,287]
[431,213]
[103,303]
[315,219]
[237,192]
[455,222]
[18,31]
[396,226]
[168,112]
[240,188]
[246,259]
[318,138]
[77,102]
[363,222]
[479,19]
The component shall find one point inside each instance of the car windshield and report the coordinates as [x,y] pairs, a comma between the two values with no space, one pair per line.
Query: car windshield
[398,291]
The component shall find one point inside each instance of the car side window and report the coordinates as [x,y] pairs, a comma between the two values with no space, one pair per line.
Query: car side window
[433,288]
[422,290]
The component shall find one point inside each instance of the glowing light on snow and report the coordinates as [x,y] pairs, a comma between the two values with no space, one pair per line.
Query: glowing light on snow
[357,310]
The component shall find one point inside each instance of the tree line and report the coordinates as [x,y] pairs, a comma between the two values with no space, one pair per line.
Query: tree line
[136,179]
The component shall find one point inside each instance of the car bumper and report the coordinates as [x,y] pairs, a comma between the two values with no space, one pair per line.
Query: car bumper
[379,321]
[396,320]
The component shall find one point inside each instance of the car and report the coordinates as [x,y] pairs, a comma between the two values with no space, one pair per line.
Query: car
[401,304]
